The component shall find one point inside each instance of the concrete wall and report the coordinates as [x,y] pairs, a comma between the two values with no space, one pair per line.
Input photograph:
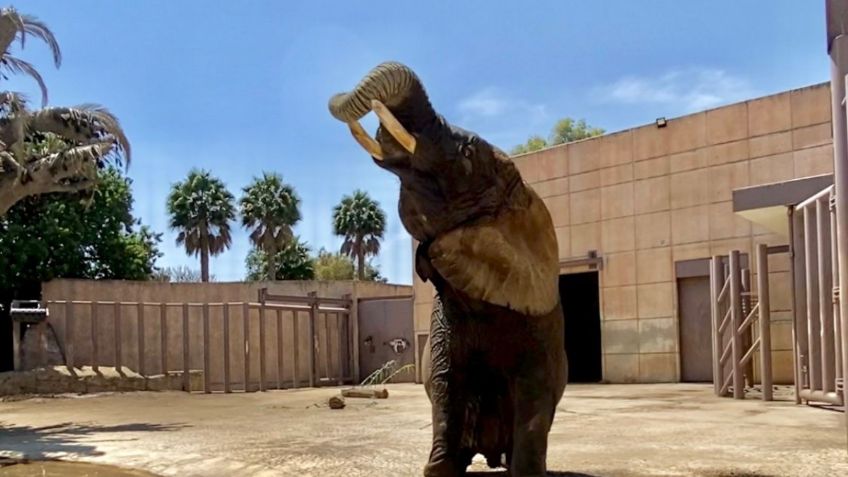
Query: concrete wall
[648,197]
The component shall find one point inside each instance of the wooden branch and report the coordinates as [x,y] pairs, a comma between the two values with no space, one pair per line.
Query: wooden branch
[366,393]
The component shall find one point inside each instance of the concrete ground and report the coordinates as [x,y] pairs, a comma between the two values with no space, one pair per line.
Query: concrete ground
[600,430]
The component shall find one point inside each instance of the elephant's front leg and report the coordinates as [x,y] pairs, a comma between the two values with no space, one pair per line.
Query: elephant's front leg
[448,410]
[534,410]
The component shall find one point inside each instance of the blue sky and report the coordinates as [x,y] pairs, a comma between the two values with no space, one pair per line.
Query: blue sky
[242,87]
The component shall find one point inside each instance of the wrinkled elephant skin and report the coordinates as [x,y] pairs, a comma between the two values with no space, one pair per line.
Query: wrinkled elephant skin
[494,367]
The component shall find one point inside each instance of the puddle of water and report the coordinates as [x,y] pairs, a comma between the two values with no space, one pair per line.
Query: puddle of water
[67,469]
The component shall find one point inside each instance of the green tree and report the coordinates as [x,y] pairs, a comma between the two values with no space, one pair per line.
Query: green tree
[361,221]
[78,235]
[333,266]
[201,209]
[269,209]
[292,261]
[90,135]
[179,274]
[565,130]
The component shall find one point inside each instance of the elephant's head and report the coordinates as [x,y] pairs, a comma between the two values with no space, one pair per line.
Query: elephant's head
[487,234]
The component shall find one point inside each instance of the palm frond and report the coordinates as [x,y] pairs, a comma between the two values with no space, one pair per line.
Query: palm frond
[35,27]
[18,66]
[82,124]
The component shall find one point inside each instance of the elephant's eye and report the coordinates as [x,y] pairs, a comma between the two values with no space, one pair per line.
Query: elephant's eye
[467,151]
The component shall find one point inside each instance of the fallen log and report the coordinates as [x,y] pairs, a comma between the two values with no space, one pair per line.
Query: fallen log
[366,393]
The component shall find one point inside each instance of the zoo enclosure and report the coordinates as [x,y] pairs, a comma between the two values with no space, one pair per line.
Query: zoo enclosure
[278,342]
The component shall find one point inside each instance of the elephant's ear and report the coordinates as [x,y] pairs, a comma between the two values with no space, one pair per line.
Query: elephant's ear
[509,260]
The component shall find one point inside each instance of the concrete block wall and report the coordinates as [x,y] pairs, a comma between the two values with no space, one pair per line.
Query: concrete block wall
[648,197]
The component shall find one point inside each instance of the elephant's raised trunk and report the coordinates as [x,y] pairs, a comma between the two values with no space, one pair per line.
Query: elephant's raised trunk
[394,92]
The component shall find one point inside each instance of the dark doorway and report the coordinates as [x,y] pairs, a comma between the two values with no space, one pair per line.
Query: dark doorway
[581,306]
[696,356]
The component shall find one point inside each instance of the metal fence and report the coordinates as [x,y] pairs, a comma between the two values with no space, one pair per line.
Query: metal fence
[741,324]
[817,332]
[278,342]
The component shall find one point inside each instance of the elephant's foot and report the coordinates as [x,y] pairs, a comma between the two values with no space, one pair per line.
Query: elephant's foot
[442,468]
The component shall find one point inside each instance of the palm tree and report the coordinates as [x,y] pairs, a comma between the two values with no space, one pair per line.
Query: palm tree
[201,209]
[270,208]
[80,138]
[361,221]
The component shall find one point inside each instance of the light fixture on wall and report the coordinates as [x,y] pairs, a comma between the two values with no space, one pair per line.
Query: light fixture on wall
[661,122]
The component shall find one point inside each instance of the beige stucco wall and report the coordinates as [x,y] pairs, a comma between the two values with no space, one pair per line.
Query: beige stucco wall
[648,197]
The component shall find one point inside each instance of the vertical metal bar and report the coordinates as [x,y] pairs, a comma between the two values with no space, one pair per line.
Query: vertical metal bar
[765,321]
[747,335]
[825,279]
[736,321]
[339,338]
[799,308]
[795,290]
[313,311]
[118,341]
[280,379]
[186,351]
[226,311]
[246,322]
[834,274]
[715,308]
[163,337]
[206,368]
[95,352]
[813,332]
[140,323]
[295,350]
[69,335]
[262,382]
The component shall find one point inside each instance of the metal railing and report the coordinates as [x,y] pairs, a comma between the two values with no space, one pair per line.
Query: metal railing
[817,339]
[741,325]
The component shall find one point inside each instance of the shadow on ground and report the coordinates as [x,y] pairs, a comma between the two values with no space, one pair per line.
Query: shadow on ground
[38,443]
[550,474]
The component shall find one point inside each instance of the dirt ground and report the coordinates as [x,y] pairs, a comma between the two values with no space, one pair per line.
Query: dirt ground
[600,430]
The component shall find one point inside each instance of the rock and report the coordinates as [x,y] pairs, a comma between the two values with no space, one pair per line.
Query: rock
[337,402]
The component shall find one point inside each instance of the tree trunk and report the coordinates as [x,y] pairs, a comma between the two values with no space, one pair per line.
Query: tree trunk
[360,259]
[204,264]
[204,255]
[272,263]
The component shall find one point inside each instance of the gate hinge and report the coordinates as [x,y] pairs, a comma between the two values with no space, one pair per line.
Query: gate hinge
[832,202]
[836,295]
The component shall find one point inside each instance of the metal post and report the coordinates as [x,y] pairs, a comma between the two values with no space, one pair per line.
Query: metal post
[715,286]
[825,294]
[797,288]
[245,313]
[834,276]
[280,349]
[186,351]
[836,12]
[814,373]
[262,382]
[764,305]
[736,322]
[206,367]
[295,350]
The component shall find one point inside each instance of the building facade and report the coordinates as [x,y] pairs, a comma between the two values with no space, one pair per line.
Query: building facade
[653,203]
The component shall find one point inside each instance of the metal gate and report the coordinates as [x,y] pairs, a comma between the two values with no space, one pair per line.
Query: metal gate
[817,331]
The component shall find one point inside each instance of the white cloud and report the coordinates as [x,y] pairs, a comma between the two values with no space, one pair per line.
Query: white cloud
[502,118]
[689,89]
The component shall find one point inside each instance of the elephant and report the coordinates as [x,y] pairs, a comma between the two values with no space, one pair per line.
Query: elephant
[494,366]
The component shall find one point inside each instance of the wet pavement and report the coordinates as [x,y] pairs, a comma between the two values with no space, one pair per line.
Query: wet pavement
[600,430]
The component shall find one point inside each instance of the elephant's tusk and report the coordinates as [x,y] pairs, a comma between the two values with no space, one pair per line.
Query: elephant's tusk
[366,141]
[394,126]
